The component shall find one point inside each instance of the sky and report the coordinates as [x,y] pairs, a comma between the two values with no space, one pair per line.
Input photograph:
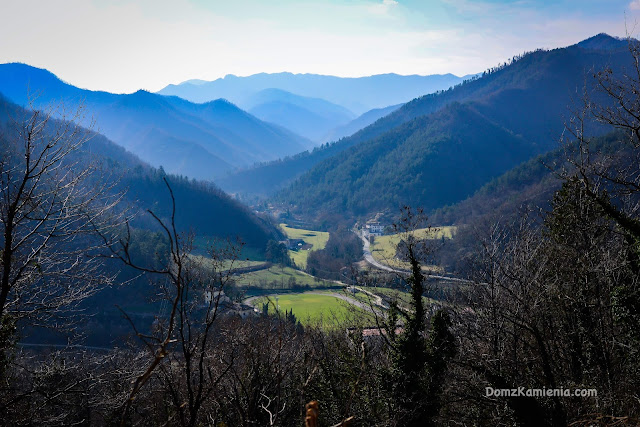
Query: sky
[124,45]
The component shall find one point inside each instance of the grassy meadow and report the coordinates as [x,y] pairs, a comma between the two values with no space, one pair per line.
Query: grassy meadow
[277,277]
[311,307]
[383,248]
[318,240]
[226,264]
[403,297]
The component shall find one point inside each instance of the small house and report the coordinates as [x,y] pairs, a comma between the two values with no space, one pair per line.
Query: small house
[375,228]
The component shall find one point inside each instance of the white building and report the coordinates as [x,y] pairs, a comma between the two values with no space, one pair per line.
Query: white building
[375,228]
[213,295]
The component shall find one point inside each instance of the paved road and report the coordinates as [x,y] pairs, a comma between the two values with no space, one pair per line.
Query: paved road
[370,259]
[366,249]
[356,303]
[376,299]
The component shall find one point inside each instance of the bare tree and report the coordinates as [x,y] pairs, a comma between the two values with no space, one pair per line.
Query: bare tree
[180,342]
[53,196]
[549,310]
[51,201]
[610,174]
[193,373]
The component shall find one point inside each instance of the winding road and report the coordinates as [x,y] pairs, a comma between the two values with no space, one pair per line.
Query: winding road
[366,249]
[355,302]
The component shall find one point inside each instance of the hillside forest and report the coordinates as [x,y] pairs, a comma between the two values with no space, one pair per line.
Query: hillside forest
[468,256]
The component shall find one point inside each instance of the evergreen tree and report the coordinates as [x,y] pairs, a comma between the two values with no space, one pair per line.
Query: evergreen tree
[420,354]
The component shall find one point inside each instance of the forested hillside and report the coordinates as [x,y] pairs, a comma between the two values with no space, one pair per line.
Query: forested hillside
[200,207]
[439,149]
[530,184]
[532,97]
[430,161]
[526,190]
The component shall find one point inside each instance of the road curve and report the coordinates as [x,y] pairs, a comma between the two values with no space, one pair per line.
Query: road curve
[355,302]
[366,249]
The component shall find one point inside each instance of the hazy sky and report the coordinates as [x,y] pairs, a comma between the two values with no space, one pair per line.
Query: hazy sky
[122,46]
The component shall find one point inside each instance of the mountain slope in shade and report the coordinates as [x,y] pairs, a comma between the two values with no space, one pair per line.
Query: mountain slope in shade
[439,149]
[531,183]
[200,207]
[429,162]
[312,118]
[358,94]
[527,189]
[603,42]
[198,140]
[360,122]
[532,97]
[265,179]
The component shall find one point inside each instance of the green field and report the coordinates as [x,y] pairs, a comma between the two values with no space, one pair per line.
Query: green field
[311,308]
[318,240]
[383,248]
[277,277]
[226,264]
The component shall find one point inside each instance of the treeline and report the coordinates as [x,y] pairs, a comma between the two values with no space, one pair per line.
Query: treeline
[551,311]
[259,371]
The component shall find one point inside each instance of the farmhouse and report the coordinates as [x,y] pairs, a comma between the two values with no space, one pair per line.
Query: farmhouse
[374,228]
[295,244]
[226,306]
[213,295]
[243,310]
[373,335]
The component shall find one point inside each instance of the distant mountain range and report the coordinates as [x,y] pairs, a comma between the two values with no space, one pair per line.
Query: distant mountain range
[200,207]
[313,118]
[439,149]
[432,151]
[359,94]
[197,140]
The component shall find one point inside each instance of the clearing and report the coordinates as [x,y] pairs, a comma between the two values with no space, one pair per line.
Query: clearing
[223,265]
[317,239]
[311,307]
[277,277]
[383,248]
